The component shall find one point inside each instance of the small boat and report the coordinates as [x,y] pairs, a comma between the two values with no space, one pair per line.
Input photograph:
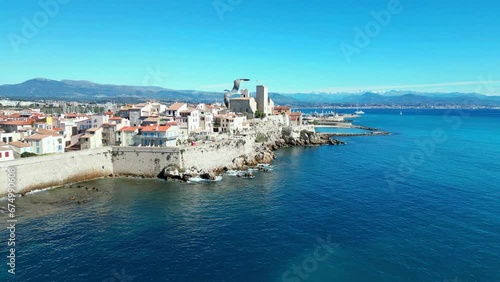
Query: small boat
[359,112]
[246,175]
[400,113]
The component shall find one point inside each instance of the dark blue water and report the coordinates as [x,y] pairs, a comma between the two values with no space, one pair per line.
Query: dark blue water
[422,204]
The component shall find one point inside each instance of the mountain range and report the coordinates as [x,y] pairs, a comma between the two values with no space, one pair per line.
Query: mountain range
[86,91]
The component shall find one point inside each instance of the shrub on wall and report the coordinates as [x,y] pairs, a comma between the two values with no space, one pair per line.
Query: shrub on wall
[28,154]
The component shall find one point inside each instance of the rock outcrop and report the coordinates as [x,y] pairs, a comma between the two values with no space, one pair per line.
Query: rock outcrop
[263,145]
[255,149]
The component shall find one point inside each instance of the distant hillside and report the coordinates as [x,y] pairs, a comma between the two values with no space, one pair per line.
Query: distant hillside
[409,99]
[71,90]
[86,91]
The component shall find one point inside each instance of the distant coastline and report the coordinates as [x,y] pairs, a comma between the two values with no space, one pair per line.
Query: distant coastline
[42,89]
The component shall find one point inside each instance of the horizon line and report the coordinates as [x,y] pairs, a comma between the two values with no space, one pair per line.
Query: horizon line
[481,83]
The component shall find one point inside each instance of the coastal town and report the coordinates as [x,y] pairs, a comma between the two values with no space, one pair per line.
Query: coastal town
[31,132]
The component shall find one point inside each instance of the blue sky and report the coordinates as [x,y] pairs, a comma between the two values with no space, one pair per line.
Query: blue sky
[290,46]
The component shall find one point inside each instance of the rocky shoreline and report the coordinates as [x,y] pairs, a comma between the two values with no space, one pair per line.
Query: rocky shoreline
[263,154]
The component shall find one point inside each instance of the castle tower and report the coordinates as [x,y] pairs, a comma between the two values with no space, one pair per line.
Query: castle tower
[262,98]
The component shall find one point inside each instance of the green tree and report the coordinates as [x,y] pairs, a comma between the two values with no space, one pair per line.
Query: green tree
[259,114]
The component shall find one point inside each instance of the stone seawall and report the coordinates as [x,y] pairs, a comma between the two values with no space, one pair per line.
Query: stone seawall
[143,161]
[206,160]
[55,170]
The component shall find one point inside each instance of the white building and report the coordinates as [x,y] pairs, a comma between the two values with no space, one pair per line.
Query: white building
[21,147]
[188,121]
[6,154]
[98,120]
[82,124]
[229,123]
[175,109]
[46,144]
[91,139]
[159,136]
[126,136]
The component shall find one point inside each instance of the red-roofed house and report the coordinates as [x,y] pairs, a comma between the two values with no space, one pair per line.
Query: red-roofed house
[278,110]
[159,136]
[175,109]
[295,119]
[126,136]
[46,144]
[15,125]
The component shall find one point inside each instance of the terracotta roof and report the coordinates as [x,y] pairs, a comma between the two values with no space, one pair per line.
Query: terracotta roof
[172,123]
[37,137]
[176,106]
[48,132]
[93,129]
[16,122]
[5,149]
[281,108]
[296,114]
[129,129]
[109,113]
[154,128]
[19,144]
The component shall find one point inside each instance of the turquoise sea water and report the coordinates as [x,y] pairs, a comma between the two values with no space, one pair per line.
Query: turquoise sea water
[422,204]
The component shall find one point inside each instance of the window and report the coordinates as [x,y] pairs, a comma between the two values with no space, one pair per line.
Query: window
[1,155]
[6,154]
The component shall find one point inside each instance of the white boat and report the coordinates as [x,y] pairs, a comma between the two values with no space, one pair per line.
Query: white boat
[232,172]
[400,113]
[359,112]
